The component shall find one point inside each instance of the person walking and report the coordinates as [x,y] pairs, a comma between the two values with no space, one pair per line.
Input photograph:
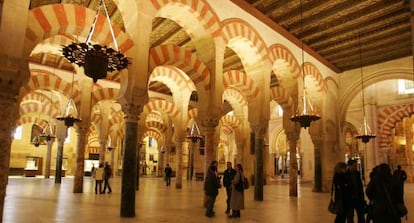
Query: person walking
[168,173]
[385,192]
[98,175]
[356,192]
[228,176]
[340,189]
[211,186]
[107,175]
[401,176]
[237,192]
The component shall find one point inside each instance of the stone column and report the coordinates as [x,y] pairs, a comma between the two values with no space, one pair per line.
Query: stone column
[292,137]
[317,181]
[102,144]
[210,152]
[179,140]
[48,157]
[80,157]
[9,114]
[61,133]
[260,131]
[129,170]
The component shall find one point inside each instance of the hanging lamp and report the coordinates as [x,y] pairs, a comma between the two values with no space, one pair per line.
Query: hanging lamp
[305,113]
[71,114]
[194,133]
[365,133]
[47,132]
[96,59]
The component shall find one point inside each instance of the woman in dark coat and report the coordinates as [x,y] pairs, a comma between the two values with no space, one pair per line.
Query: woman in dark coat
[237,195]
[385,192]
[341,191]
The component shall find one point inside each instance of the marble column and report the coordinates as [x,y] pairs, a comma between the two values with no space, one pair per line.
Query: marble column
[292,137]
[48,157]
[9,113]
[80,157]
[129,167]
[260,131]
[59,157]
[317,181]
[179,140]
[210,153]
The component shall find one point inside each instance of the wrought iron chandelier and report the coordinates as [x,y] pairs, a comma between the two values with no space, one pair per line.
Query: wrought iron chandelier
[71,114]
[96,59]
[305,114]
[47,132]
[365,133]
[194,133]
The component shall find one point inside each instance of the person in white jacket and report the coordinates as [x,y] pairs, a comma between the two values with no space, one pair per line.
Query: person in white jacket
[98,175]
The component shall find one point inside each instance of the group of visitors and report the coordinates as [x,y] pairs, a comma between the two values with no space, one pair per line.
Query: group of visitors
[235,194]
[102,174]
[384,191]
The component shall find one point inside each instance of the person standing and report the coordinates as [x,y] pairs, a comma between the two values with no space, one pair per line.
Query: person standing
[229,174]
[107,175]
[98,175]
[385,192]
[211,186]
[401,176]
[356,192]
[341,192]
[237,192]
[168,173]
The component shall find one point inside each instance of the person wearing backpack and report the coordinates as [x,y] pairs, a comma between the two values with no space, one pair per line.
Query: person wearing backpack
[401,176]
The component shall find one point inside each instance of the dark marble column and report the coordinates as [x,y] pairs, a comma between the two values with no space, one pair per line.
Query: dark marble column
[80,157]
[129,164]
[210,153]
[292,137]
[260,131]
[59,157]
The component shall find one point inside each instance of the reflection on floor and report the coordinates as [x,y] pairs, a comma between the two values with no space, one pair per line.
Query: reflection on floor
[40,200]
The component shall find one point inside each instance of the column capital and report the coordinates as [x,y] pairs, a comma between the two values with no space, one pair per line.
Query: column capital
[209,123]
[132,112]
[292,136]
[260,130]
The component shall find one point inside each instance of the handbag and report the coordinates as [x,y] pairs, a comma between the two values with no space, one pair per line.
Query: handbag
[333,206]
[246,183]
[239,185]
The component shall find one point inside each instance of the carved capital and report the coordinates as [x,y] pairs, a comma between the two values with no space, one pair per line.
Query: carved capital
[292,136]
[209,124]
[259,130]
[132,112]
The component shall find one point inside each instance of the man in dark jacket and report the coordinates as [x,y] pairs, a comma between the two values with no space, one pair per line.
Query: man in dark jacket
[356,190]
[227,178]
[211,186]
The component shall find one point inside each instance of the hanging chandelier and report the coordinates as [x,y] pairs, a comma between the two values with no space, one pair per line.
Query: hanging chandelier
[71,114]
[365,133]
[194,134]
[96,59]
[47,132]
[305,113]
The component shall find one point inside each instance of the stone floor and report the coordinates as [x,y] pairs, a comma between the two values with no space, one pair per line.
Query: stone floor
[40,200]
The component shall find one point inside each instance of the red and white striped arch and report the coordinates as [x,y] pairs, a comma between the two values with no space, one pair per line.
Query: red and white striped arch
[238,30]
[230,120]
[162,106]
[67,20]
[35,107]
[319,83]
[282,97]
[234,95]
[156,125]
[183,59]
[117,117]
[151,133]
[241,81]
[30,119]
[388,118]
[200,8]
[40,80]
[173,77]
[104,94]
[279,52]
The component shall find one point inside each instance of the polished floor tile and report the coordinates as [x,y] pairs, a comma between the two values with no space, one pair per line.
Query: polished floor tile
[37,200]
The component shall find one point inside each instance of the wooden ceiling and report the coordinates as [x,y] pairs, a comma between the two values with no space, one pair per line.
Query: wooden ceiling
[346,34]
